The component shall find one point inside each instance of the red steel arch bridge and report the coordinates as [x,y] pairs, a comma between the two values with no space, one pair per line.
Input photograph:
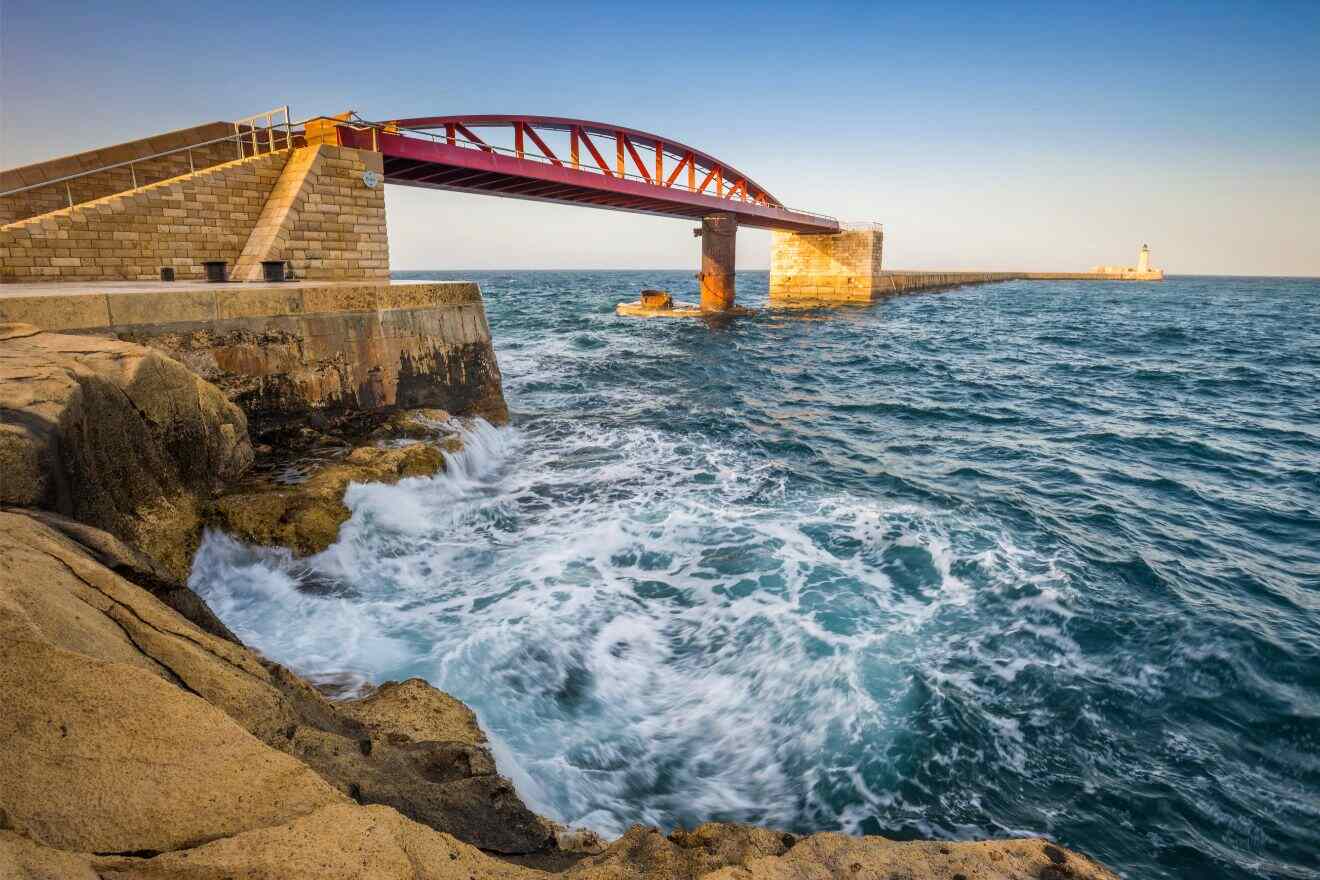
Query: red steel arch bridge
[579,162]
[595,164]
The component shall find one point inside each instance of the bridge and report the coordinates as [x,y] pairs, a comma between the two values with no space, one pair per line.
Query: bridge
[510,156]
[542,158]
[250,199]
[645,173]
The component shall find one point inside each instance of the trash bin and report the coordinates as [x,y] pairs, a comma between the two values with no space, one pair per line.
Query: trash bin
[166,273]
[273,270]
[216,270]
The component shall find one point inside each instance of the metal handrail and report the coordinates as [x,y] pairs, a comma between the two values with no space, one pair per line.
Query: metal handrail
[361,124]
[239,136]
[269,116]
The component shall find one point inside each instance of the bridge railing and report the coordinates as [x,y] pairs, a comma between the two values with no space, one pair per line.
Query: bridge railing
[277,120]
[456,139]
[249,139]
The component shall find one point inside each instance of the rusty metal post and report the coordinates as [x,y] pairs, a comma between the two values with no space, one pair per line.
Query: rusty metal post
[719,234]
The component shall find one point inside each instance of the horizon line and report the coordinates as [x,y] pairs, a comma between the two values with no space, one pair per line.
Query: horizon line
[737,271]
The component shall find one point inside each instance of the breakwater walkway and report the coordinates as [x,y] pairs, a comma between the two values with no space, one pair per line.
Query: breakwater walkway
[842,290]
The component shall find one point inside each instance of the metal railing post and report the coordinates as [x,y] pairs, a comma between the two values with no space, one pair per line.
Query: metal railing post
[133,172]
[191,168]
[69,193]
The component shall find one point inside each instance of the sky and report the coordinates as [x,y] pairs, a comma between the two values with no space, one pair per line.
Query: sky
[1011,136]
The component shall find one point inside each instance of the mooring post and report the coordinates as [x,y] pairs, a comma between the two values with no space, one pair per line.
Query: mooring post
[719,238]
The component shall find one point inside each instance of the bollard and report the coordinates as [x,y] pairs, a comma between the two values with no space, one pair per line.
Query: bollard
[273,270]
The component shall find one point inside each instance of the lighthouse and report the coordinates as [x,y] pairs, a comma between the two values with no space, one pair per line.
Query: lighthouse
[1142,272]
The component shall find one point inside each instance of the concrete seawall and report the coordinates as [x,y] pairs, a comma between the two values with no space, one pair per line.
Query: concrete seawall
[321,354]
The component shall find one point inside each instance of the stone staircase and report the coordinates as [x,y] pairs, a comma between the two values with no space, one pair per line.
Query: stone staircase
[180,222]
[270,236]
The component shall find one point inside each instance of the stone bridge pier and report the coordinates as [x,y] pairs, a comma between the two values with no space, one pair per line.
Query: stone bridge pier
[839,268]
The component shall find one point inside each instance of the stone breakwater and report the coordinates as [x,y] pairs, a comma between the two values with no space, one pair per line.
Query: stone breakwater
[847,268]
[142,740]
[839,289]
[318,354]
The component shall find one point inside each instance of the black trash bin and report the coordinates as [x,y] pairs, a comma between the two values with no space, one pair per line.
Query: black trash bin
[273,270]
[216,270]
[166,273]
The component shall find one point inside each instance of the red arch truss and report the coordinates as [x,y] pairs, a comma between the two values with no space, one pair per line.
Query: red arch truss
[594,164]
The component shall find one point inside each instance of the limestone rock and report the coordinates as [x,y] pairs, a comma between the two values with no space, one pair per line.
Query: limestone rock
[54,592]
[117,436]
[413,711]
[716,851]
[580,840]
[305,517]
[53,595]
[375,843]
[336,843]
[452,787]
[429,760]
[136,567]
[832,856]
[23,859]
[645,852]
[109,757]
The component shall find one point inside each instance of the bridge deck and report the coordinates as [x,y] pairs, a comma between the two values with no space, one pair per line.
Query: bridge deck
[415,161]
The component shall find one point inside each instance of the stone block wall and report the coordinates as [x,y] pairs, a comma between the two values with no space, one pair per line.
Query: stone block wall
[54,196]
[343,355]
[130,236]
[838,268]
[337,233]
[322,218]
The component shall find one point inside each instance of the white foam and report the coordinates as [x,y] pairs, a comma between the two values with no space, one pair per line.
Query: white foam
[651,627]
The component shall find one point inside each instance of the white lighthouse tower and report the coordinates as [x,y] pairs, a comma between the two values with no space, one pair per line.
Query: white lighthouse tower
[1143,271]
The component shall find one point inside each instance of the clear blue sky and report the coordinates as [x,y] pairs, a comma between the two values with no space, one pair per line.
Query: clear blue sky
[1033,136]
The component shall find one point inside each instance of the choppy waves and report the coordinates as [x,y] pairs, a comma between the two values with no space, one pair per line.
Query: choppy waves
[1008,560]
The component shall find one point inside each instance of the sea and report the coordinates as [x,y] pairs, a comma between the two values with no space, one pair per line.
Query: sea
[1029,558]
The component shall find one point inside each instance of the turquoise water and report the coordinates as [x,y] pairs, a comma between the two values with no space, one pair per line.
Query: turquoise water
[1028,558]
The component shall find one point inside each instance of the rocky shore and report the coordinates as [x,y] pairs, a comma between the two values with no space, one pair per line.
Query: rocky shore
[143,740]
